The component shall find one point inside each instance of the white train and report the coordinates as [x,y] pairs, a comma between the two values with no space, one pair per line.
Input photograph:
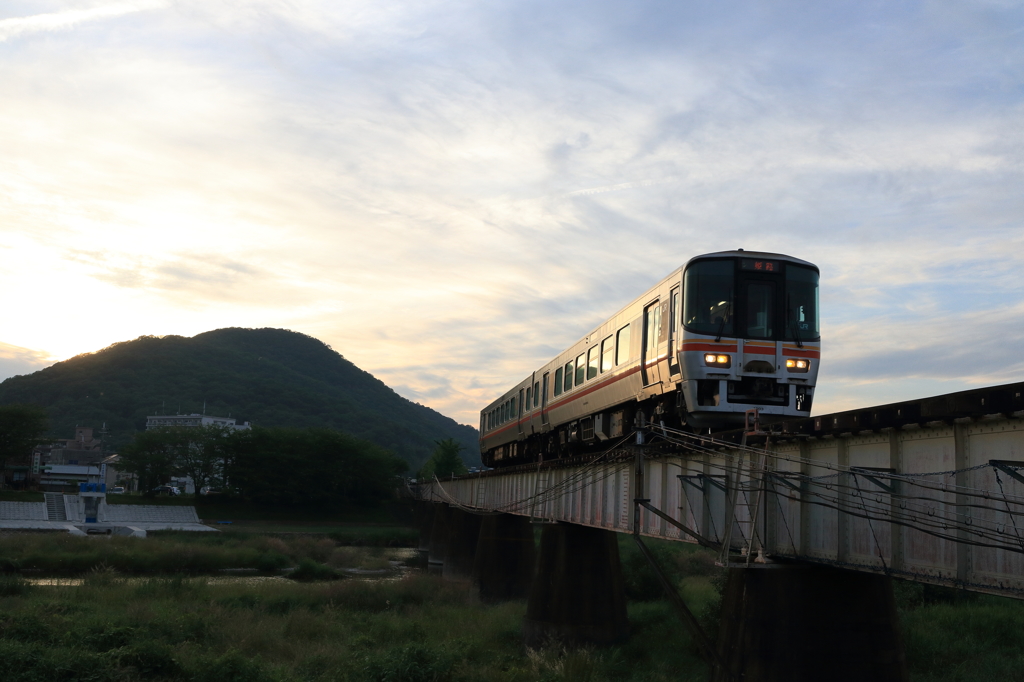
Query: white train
[725,333]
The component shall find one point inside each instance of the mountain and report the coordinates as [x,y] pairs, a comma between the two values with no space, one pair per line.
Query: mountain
[271,377]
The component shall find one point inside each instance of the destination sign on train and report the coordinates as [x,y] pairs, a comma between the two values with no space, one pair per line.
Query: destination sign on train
[759,265]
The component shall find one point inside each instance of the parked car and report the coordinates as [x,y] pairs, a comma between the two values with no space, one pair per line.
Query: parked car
[165,490]
[116,490]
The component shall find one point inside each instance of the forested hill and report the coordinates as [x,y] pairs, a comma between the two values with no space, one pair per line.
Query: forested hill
[271,377]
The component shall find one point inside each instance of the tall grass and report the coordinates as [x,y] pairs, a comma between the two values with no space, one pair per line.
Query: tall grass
[956,636]
[417,629]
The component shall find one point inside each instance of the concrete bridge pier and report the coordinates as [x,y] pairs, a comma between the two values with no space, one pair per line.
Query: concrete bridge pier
[505,557]
[423,513]
[578,595]
[437,548]
[463,533]
[806,622]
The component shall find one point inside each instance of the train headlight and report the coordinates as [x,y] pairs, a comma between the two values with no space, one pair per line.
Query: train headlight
[795,365]
[716,360]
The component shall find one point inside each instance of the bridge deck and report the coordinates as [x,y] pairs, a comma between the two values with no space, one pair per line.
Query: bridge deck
[927,490]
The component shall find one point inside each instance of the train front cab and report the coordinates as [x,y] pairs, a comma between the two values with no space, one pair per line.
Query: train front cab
[750,337]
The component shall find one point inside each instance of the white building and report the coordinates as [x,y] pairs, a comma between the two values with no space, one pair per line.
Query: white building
[157,421]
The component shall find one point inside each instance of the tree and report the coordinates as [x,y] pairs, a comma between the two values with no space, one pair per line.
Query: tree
[201,453]
[21,429]
[312,468]
[152,456]
[445,461]
[198,452]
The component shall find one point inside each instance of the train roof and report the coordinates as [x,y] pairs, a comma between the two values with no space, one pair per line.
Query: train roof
[751,254]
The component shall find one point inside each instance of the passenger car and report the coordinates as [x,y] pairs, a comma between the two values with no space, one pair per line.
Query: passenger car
[727,332]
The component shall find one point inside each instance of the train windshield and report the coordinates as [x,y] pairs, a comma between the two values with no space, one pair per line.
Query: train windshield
[708,297]
[801,303]
[752,299]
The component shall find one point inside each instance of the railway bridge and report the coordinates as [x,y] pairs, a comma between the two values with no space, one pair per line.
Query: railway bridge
[812,517]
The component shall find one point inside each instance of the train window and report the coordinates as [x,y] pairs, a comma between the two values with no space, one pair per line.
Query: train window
[536,393]
[581,368]
[622,345]
[558,381]
[607,354]
[568,377]
[760,309]
[512,409]
[708,306]
[593,362]
[801,304]
[652,330]
[529,392]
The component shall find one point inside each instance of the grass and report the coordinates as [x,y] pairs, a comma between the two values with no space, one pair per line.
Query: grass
[954,636]
[20,496]
[421,628]
[167,552]
[179,627]
[231,509]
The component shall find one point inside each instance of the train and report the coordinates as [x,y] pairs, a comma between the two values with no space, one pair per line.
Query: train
[725,333]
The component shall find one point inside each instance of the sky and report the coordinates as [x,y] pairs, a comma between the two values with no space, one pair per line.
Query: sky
[450,193]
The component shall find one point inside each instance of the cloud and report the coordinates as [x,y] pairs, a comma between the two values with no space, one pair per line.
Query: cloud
[15,360]
[56,21]
[450,193]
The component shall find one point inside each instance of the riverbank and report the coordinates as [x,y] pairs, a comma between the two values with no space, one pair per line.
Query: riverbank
[151,609]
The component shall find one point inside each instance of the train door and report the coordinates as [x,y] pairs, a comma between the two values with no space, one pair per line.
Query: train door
[673,331]
[522,411]
[649,345]
[544,399]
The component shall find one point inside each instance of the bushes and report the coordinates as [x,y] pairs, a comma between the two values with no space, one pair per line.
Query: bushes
[150,659]
[377,537]
[309,570]
[677,560]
